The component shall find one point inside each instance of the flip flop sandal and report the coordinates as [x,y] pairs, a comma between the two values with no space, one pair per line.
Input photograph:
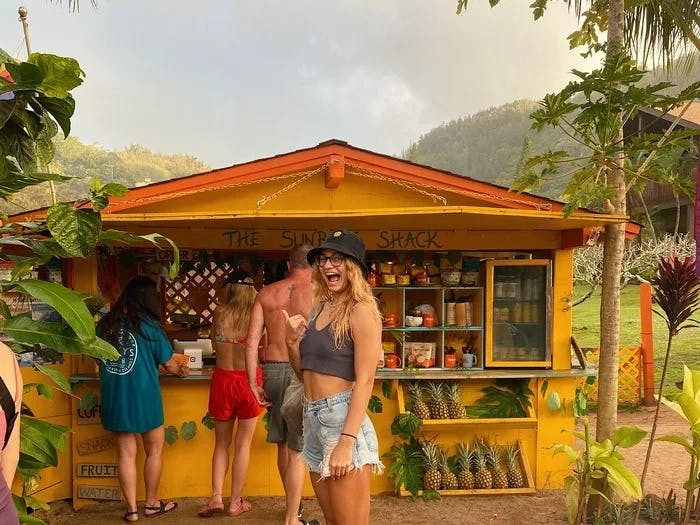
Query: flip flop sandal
[162,508]
[128,513]
[207,511]
[243,506]
[300,511]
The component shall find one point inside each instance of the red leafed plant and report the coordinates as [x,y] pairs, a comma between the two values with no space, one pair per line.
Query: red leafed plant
[677,295]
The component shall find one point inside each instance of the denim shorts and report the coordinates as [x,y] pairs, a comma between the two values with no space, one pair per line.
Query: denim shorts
[323,423]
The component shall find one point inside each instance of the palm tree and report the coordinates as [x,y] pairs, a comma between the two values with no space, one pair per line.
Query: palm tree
[662,29]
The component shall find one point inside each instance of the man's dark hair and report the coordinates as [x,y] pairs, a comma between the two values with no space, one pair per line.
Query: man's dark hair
[297,257]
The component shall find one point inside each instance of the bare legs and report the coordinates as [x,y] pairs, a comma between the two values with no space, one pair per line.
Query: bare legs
[153,441]
[244,437]
[126,449]
[344,501]
[223,431]
[292,469]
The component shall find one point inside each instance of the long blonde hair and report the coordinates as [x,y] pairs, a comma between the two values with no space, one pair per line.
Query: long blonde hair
[236,304]
[358,292]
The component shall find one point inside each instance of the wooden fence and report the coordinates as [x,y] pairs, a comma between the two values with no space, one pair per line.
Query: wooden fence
[629,388]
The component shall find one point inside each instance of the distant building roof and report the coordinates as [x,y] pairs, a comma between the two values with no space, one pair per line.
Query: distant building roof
[690,119]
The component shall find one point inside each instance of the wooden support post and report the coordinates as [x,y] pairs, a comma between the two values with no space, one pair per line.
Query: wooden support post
[647,343]
[335,172]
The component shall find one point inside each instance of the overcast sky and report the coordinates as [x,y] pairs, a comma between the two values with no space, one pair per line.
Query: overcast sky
[232,81]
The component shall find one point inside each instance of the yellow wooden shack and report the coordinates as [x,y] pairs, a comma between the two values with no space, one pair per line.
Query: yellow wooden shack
[435,240]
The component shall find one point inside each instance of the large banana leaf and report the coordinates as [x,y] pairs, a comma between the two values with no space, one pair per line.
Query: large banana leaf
[57,337]
[622,480]
[116,237]
[58,377]
[67,303]
[40,441]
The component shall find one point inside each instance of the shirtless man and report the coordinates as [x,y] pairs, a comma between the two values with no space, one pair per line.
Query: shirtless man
[292,294]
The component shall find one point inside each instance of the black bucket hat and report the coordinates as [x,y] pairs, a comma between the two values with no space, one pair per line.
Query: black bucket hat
[345,242]
[240,276]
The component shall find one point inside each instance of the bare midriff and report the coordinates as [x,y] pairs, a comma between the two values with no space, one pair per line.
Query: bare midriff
[319,386]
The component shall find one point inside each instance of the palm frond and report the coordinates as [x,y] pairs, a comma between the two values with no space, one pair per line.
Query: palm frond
[661,31]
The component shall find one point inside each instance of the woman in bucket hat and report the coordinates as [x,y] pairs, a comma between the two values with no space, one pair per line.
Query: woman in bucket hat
[337,353]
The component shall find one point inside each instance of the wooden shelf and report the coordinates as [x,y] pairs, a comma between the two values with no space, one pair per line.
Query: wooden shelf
[529,481]
[523,422]
[503,421]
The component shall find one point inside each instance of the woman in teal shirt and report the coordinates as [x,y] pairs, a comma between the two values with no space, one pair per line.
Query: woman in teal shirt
[131,399]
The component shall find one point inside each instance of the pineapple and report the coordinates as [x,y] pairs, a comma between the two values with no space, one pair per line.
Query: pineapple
[456,408]
[514,474]
[448,480]
[482,474]
[465,458]
[438,407]
[431,463]
[420,409]
[498,475]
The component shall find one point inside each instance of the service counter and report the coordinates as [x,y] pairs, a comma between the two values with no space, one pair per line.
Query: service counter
[189,446]
[187,461]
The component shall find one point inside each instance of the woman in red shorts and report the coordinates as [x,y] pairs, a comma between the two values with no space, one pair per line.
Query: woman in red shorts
[230,397]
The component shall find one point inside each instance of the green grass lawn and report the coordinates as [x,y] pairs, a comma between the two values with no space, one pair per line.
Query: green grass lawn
[684,349]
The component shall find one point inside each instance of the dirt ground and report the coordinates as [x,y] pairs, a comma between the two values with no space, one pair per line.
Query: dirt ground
[668,468]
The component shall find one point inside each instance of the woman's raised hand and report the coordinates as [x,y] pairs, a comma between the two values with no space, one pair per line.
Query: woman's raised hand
[294,327]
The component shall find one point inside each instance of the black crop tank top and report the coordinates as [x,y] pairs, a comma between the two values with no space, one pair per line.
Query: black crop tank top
[318,353]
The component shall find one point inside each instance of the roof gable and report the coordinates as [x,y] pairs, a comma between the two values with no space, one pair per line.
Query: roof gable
[333,165]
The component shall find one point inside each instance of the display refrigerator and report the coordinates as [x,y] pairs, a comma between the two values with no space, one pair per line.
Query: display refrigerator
[518,313]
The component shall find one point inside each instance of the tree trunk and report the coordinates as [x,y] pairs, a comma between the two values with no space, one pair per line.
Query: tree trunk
[678,217]
[613,250]
[648,215]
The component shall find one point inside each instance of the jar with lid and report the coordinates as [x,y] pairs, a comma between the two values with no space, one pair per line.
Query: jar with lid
[509,288]
[535,312]
[517,313]
[499,289]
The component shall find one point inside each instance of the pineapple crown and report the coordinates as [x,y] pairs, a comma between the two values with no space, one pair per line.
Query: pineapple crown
[444,462]
[465,456]
[453,392]
[416,390]
[435,390]
[511,453]
[493,454]
[431,455]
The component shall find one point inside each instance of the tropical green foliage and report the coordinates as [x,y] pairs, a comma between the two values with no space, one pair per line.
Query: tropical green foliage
[405,466]
[593,109]
[687,405]
[599,462]
[35,102]
[507,398]
[130,167]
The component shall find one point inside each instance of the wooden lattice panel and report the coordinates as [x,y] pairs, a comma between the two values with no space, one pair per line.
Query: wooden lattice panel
[629,389]
[194,291]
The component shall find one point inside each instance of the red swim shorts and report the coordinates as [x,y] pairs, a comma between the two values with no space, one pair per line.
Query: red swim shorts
[230,396]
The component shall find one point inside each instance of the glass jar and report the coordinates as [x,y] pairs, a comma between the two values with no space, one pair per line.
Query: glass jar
[499,289]
[517,313]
